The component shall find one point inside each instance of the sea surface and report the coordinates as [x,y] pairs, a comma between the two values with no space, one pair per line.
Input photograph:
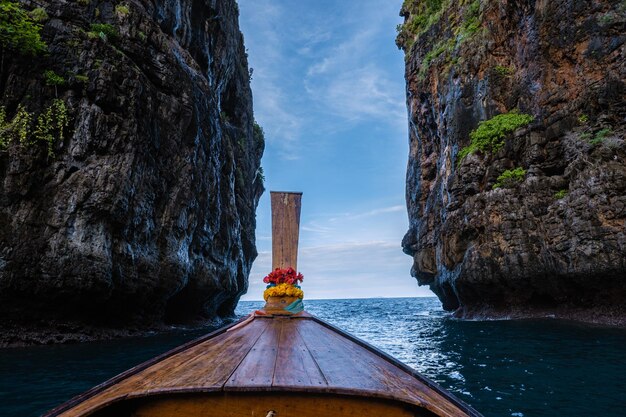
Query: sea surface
[530,368]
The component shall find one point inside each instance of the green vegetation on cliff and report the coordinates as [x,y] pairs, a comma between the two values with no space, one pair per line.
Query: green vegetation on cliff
[460,21]
[560,194]
[600,136]
[39,15]
[122,10]
[49,126]
[259,138]
[52,78]
[105,31]
[502,71]
[471,21]
[510,177]
[19,30]
[421,15]
[489,136]
[258,134]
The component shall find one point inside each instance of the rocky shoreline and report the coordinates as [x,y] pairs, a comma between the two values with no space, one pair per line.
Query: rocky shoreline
[15,335]
[602,317]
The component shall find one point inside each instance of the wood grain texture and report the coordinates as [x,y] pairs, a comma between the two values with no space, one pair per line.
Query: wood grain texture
[348,365]
[284,405]
[203,367]
[296,366]
[257,368]
[277,354]
[285,229]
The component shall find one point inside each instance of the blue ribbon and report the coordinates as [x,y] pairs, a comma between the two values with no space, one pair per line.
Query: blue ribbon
[295,307]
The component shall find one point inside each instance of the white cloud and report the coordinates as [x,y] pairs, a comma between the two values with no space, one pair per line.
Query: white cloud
[266,49]
[282,126]
[310,64]
[314,227]
[375,212]
[312,39]
[350,84]
[360,269]
[357,93]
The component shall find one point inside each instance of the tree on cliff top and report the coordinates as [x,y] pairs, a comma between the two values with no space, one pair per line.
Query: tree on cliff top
[19,32]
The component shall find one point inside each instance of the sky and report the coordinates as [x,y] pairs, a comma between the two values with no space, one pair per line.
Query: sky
[328,88]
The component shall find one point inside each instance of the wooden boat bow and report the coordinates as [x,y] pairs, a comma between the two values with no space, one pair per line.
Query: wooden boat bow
[281,360]
[275,363]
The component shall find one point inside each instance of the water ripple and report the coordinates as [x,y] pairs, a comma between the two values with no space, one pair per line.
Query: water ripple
[501,367]
[522,368]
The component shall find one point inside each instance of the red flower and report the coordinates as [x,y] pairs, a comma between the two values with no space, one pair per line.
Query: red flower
[283,276]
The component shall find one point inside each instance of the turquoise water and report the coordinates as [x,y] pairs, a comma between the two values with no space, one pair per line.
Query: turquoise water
[502,368]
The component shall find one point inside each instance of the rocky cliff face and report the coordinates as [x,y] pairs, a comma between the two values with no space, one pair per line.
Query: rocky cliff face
[140,208]
[517,216]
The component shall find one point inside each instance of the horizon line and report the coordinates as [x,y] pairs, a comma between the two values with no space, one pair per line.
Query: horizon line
[355,298]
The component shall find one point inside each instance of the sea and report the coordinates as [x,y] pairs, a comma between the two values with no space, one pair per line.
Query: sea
[520,368]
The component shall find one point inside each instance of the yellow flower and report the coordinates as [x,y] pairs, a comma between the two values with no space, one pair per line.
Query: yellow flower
[282,290]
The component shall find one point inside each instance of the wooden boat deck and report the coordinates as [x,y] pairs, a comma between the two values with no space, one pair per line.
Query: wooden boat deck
[272,353]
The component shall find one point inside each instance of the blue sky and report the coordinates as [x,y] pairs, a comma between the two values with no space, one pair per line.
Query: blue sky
[328,87]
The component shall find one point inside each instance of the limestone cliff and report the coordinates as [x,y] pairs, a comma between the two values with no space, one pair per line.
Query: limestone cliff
[526,212]
[139,208]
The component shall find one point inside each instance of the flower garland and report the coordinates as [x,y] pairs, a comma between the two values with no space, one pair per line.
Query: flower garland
[283,276]
[283,283]
[283,290]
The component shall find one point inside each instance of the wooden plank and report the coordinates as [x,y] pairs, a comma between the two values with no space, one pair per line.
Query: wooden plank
[285,229]
[257,368]
[369,371]
[136,369]
[206,365]
[295,365]
[211,365]
[406,376]
[404,385]
[339,363]
[299,354]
